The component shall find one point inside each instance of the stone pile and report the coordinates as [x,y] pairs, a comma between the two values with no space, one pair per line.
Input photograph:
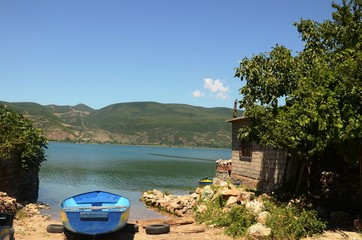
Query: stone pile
[179,205]
[184,205]
[8,204]
[234,196]
[32,209]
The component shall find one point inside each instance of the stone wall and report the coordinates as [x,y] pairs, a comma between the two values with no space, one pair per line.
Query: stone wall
[17,182]
[264,170]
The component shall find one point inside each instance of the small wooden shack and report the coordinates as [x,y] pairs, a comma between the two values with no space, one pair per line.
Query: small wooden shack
[262,168]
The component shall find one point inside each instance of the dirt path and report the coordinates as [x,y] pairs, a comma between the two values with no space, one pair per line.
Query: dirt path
[34,228]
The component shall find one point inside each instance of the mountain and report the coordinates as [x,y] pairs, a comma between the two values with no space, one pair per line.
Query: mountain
[134,123]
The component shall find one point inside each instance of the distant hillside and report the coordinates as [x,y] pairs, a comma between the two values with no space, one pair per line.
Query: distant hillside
[135,123]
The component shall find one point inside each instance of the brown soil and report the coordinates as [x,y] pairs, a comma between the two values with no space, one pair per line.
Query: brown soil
[34,228]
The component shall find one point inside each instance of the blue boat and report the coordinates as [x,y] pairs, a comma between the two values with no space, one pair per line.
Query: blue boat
[94,213]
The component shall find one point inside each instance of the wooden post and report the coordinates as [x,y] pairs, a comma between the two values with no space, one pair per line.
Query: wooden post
[301,175]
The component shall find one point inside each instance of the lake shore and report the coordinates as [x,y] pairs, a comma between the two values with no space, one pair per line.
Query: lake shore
[31,224]
[34,227]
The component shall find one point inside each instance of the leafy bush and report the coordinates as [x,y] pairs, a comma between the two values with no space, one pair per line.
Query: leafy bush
[208,211]
[236,221]
[293,222]
[20,140]
[286,221]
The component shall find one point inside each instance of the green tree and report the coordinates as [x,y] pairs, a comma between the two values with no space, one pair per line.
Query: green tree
[321,86]
[20,141]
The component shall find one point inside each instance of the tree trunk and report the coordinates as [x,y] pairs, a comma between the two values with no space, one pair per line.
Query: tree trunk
[301,175]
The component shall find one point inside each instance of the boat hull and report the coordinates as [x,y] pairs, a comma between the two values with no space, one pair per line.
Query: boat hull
[95,213]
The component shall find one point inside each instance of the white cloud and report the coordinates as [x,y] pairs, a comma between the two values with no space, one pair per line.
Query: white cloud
[198,93]
[216,87]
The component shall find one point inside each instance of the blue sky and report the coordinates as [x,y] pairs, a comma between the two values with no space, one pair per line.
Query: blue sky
[101,52]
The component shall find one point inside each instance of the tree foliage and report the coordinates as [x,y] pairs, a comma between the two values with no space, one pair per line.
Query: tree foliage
[20,141]
[321,86]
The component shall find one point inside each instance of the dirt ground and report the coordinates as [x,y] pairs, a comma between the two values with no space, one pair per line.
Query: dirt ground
[35,228]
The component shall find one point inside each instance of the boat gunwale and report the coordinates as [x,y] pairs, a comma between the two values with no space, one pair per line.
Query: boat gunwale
[73,208]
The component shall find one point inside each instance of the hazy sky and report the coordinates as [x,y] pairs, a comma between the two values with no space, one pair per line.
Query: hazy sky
[100,52]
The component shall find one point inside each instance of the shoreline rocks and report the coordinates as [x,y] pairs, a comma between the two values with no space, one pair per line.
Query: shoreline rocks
[182,206]
[10,205]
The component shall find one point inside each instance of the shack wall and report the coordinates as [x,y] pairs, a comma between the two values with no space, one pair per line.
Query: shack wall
[264,170]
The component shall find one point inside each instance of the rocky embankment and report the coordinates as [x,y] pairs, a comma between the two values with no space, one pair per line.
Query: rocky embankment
[196,202]
[10,205]
[185,205]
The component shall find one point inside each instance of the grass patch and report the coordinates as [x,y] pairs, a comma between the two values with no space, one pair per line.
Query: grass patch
[236,221]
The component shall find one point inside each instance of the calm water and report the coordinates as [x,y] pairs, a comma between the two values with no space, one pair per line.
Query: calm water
[127,170]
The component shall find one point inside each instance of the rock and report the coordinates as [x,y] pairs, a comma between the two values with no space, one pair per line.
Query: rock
[8,204]
[262,217]
[217,181]
[201,208]
[198,190]
[207,192]
[185,199]
[246,196]
[258,230]
[255,206]
[32,209]
[226,193]
[178,205]
[231,201]
[194,195]
[157,193]
[174,206]
[223,184]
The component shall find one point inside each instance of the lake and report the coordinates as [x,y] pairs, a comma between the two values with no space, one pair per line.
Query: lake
[126,170]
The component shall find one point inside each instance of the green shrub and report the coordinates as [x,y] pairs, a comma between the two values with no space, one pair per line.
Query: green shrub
[286,221]
[293,222]
[236,221]
[213,211]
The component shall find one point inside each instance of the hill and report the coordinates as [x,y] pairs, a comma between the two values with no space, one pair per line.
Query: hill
[134,123]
